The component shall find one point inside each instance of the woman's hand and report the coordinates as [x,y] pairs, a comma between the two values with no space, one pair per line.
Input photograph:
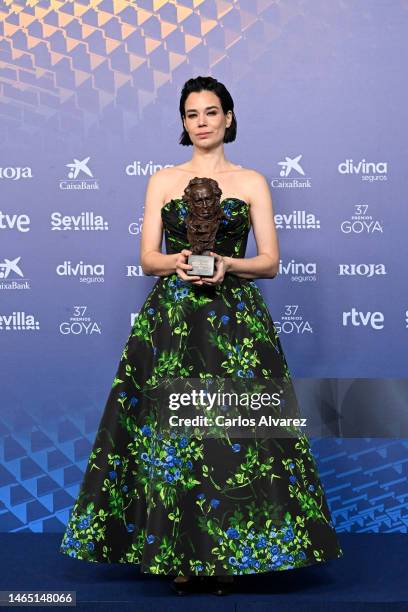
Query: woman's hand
[219,273]
[216,279]
[181,265]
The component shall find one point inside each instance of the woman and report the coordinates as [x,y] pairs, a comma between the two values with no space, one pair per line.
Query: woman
[201,506]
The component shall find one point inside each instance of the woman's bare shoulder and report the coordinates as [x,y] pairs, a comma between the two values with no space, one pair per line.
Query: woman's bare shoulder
[165,175]
[252,173]
[160,179]
[253,179]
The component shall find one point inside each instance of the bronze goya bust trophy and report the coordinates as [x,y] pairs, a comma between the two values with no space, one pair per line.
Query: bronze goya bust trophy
[202,199]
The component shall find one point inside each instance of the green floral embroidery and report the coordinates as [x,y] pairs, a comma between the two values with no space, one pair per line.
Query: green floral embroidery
[159,498]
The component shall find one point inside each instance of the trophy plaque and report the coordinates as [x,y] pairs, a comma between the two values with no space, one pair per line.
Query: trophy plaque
[202,198]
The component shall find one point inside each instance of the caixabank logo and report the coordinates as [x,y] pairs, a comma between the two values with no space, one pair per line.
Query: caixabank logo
[79,176]
[12,276]
[291,174]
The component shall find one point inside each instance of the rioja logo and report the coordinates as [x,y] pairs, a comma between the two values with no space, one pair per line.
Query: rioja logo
[15,173]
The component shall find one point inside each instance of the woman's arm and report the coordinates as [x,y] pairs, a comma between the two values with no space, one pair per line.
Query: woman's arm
[152,260]
[266,263]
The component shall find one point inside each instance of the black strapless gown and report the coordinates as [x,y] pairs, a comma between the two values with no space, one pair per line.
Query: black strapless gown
[181,504]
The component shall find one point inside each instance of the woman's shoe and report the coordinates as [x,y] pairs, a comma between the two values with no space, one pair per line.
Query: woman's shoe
[222,585]
[186,586]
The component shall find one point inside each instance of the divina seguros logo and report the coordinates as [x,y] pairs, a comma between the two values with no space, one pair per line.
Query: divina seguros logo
[367,171]
[84,272]
[136,168]
[298,271]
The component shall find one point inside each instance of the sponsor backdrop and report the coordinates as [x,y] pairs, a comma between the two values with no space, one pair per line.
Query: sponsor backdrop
[89,95]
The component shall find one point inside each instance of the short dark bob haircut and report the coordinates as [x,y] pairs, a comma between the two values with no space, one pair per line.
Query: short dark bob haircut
[208,84]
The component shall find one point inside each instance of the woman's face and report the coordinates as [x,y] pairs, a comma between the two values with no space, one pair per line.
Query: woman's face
[204,119]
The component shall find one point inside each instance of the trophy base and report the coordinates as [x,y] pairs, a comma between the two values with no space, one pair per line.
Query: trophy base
[203,265]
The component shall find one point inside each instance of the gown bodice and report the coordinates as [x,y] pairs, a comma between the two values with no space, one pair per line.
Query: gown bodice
[232,234]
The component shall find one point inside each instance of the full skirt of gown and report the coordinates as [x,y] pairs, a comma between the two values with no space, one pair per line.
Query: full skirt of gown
[177,503]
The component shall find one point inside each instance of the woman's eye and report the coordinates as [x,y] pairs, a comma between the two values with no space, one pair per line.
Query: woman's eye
[209,113]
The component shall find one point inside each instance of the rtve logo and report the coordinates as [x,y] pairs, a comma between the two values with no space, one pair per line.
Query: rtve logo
[356,318]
